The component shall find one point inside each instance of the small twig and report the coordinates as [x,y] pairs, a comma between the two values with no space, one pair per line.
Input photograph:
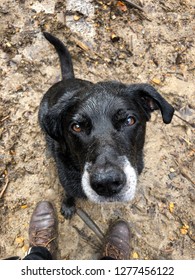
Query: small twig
[134,5]
[191,124]
[143,14]
[5,118]
[4,188]
[131,43]
[96,74]
[87,49]
[81,45]
[191,237]
[188,142]
[184,173]
[191,69]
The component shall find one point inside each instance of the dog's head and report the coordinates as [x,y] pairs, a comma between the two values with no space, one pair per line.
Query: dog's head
[102,129]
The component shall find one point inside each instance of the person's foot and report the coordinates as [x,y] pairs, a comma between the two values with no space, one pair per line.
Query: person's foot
[43,227]
[117,241]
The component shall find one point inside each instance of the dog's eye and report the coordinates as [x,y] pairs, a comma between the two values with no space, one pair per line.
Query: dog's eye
[130,121]
[76,127]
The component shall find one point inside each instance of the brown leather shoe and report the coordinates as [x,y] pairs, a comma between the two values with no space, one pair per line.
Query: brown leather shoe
[43,227]
[117,241]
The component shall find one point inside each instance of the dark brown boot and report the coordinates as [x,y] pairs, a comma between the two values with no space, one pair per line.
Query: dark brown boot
[117,241]
[43,227]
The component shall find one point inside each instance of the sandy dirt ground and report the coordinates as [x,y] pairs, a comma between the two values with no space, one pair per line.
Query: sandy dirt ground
[108,40]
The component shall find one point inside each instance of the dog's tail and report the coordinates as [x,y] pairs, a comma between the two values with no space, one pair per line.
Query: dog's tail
[64,56]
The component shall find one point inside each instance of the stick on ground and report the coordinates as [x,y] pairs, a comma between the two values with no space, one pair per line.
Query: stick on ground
[4,188]
[134,5]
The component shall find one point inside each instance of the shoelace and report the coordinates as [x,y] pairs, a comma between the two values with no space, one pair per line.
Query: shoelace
[43,236]
[113,252]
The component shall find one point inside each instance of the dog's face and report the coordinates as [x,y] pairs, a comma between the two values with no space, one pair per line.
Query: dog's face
[104,132]
[102,128]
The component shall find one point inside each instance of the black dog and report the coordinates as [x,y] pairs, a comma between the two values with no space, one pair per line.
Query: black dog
[96,133]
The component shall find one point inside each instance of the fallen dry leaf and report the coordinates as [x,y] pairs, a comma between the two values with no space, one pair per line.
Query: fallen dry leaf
[114,37]
[82,45]
[25,248]
[171,207]
[24,206]
[76,17]
[19,241]
[122,7]
[135,255]
[184,229]
[156,81]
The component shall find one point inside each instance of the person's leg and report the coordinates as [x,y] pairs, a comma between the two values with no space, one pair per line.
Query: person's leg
[12,258]
[38,253]
[117,242]
[42,233]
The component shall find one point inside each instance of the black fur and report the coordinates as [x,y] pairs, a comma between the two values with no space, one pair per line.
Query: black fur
[100,124]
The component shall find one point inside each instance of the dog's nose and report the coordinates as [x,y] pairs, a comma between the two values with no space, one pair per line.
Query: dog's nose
[107,182]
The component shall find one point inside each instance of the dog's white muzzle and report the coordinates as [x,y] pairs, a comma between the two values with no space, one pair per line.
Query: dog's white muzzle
[127,193]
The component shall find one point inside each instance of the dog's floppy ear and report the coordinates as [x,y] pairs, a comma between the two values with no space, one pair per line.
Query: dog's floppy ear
[151,100]
[55,103]
[52,119]
[52,122]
